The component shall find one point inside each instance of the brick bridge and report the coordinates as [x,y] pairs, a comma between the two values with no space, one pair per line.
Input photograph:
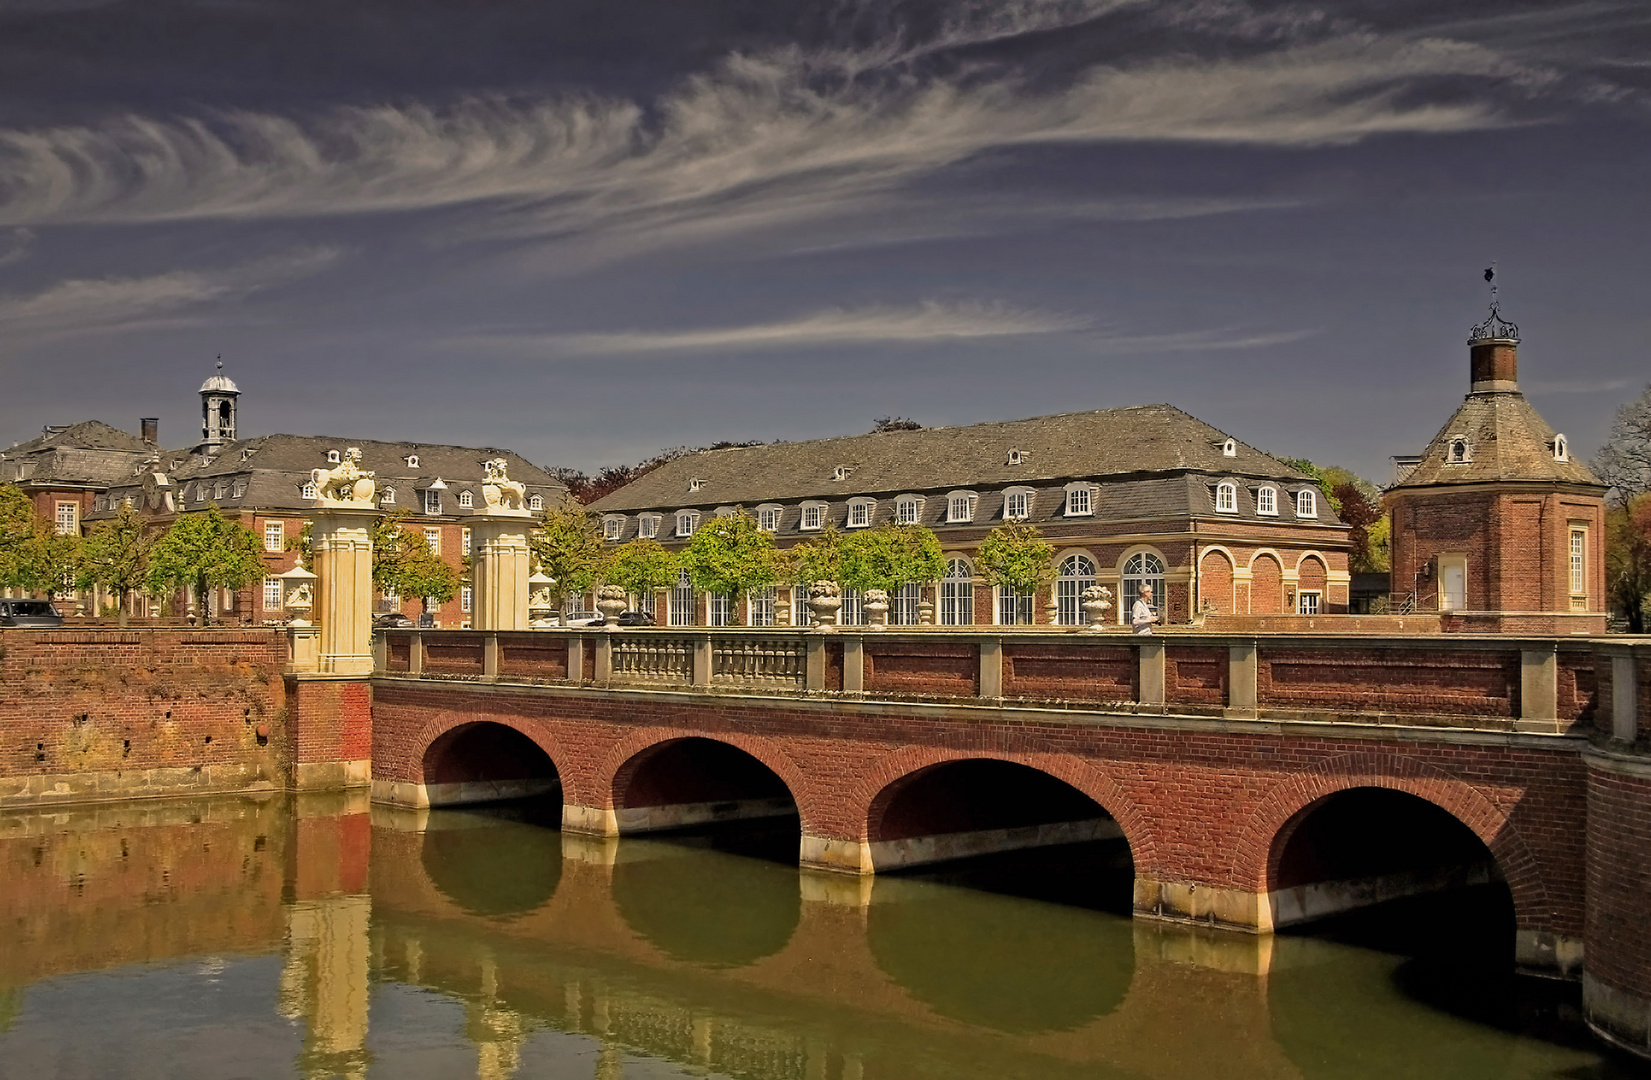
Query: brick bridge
[1254,781]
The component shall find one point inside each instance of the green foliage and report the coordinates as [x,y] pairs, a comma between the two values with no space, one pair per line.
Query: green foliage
[1016,554]
[732,555]
[567,548]
[642,567]
[404,564]
[1321,477]
[205,550]
[1362,515]
[32,555]
[890,556]
[1628,559]
[115,555]
[1380,544]
[817,559]
[304,544]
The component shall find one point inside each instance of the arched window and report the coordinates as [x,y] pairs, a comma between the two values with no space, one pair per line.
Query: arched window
[860,512]
[1142,569]
[908,509]
[308,491]
[1229,448]
[1266,500]
[467,501]
[1459,450]
[683,604]
[1562,448]
[957,594]
[687,521]
[768,517]
[812,517]
[535,502]
[332,457]
[1307,504]
[1017,504]
[1226,497]
[960,506]
[388,498]
[1077,573]
[613,526]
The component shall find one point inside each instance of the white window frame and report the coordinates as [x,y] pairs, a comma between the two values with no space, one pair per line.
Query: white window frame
[683,609]
[1577,561]
[908,510]
[467,501]
[1017,504]
[687,522]
[1076,573]
[768,517]
[1016,457]
[467,598]
[412,461]
[432,501]
[332,457]
[1229,448]
[960,507]
[1080,499]
[1458,450]
[535,503]
[760,606]
[861,512]
[200,492]
[1008,607]
[1226,497]
[1562,448]
[272,594]
[387,497]
[1266,500]
[275,536]
[812,517]
[957,593]
[432,537]
[238,490]
[647,526]
[1307,503]
[1309,602]
[464,544]
[1138,570]
[613,526]
[308,490]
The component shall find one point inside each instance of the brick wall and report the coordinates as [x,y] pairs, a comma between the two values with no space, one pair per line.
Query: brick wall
[1617,987]
[112,714]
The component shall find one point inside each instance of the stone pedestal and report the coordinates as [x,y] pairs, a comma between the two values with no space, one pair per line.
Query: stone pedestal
[499,568]
[342,540]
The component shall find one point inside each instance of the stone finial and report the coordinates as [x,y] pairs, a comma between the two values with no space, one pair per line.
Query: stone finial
[346,484]
[824,601]
[1096,601]
[500,492]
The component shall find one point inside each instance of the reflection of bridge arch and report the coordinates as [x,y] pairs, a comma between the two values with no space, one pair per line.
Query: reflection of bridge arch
[662,778]
[484,758]
[1261,846]
[884,783]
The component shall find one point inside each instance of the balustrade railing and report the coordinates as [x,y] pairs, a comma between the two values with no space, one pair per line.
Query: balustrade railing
[771,662]
[653,659]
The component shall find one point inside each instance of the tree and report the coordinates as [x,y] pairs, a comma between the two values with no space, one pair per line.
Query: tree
[891,556]
[403,564]
[33,555]
[1624,462]
[17,525]
[642,567]
[817,559]
[895,423]
[1016,555]
[1363,516]
[731,555]
[567,546]
[115,555]
[1321,477]
[1628,558]
[205,551]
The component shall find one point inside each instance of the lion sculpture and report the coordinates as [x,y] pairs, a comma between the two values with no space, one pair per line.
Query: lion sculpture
[499,491]
[346,482]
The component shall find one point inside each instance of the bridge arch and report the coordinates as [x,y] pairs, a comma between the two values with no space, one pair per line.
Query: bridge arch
[485,758]
[662,778]
[1261,847]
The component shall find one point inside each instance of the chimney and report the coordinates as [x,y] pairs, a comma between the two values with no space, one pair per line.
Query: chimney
[150,426]
[1493,354]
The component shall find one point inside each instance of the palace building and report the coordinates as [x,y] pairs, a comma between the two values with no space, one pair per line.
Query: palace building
[1128,497]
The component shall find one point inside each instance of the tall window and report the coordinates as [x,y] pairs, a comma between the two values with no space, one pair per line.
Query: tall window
[800,615]
[433,538]
[859,513]
[467,598]
[813,517]
[1077,573]
[686,522]
[853,611]
[903,604]
[1013,609]
[1266,500]
[957,594]
[612,527]
[722,609]
[907,511]
[762,606]
[275,536]
[768,519]
[1080,501]
[272,594]
[1142,569]
[1226,497]
[432,501]
[960,506]
[682,611]
[464,542]
[68,518]
[1579,561]
[1017,504]
[647,526]
[1307,504]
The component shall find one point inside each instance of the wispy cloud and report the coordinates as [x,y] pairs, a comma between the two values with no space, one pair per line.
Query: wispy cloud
[96,304]
[15,247]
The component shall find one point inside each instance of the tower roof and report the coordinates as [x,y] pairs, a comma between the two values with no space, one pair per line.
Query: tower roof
[219,383]
[1505,438]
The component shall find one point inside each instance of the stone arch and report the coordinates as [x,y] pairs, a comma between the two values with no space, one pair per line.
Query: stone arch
[435,729]
[1255,855]
[1266,583]
[879,784]
[1215,580]
[622,760]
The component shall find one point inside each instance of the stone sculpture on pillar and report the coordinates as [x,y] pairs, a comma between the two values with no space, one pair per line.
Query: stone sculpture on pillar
[499,552]
[341,540]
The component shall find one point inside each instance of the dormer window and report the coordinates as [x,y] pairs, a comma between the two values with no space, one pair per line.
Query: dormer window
[960,506]
[1017,457]
[813,517]
[687,522]
[647,526]
[412,461]
[695,483]
[432,501]
[467,500]
[1459,451]
[246,453]
[725,511]
[332,457]
[613,526]
[387,497]
[1307,504]
[1229,448]
[239,490]
[1017,504]
[308,491]
[859,512]
[535,503]
[1226,497]
[1266,500]
[840,473]
[1562,449]
[768,518]
[1080,499]
[908,509]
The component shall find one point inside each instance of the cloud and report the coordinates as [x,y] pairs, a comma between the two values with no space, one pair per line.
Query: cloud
[16,247]
[929,321]
[91,304]
[759,141]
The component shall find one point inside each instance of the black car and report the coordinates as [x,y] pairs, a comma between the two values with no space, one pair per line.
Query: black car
[626,618]
[29,613]
[392,621]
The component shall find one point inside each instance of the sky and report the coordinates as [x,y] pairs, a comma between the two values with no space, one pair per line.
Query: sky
[591,229]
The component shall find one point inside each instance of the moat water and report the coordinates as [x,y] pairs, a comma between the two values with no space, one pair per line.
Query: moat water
[233,938]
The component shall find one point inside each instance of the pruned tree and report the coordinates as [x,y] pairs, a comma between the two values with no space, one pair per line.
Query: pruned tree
[1015,555]
[115,555]
[731,555]
[1624,462]
[891,556]
[895,423]
[404,564]
[820,558]
[33,555]
[567,548]
[204,551]
[642,567]
[1628,559]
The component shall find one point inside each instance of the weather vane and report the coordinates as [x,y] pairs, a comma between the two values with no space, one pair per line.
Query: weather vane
[1495,327]
[1490,278]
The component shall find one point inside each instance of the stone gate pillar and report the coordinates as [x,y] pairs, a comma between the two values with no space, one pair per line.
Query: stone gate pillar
[342,542]
[499,554]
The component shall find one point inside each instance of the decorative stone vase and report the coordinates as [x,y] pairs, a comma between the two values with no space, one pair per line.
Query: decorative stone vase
[1096,601]
[925,612]
[782,607]
[1051,612]
[539,606]
[824,601]
[610,601]
[877,609]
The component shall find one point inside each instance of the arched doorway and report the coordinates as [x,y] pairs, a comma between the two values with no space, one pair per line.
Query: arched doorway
[1215,583]
[1076,573]
[696,781]
[486,762]
[957,593]
[1266,586]
[1142,569]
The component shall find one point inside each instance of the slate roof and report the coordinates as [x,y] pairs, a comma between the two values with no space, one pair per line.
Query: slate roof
[86,435]
[1136,441]
[87,454]
[1507,440]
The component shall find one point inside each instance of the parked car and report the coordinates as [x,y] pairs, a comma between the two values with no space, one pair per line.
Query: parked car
[392,621]
[29,613]
[626,618]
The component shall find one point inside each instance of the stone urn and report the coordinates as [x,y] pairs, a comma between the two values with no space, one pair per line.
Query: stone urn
[782,607]
[824,601]
[877,609]
[610,601]
[1096,601]
[298,594]
[539,606]
[1051,612]
[925,612]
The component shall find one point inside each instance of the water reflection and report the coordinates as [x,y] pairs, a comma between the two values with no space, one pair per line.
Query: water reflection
[493,946]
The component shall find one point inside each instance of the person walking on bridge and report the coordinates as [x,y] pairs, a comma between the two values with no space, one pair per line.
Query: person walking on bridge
[1141,616]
